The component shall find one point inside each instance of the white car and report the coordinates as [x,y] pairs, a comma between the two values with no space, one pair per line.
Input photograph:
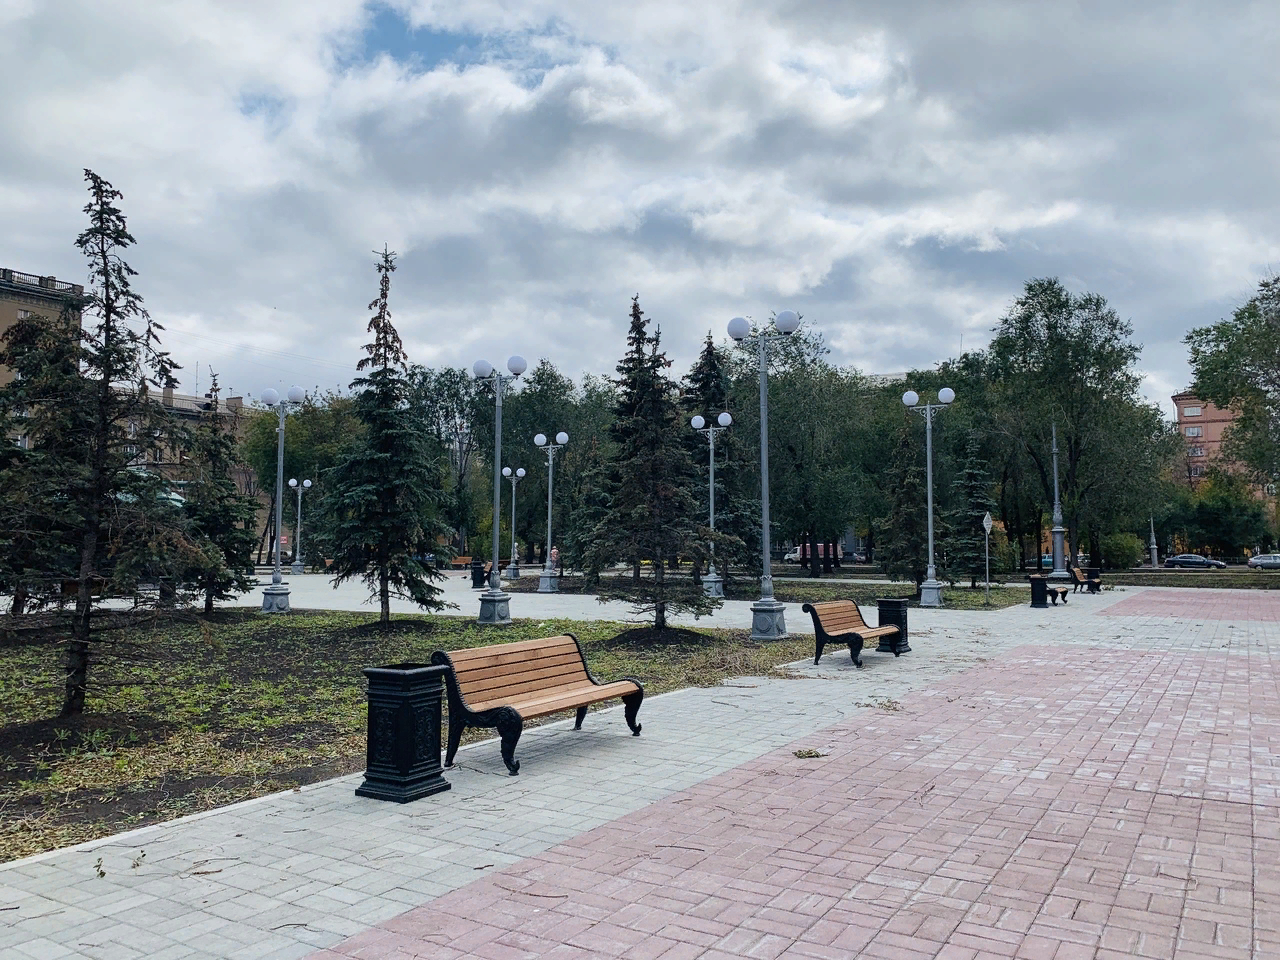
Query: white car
[1265,561]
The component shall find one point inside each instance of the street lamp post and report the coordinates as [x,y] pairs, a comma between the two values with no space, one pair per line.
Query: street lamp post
[931,589]
[495,605]
[513,568]
[275,598]
[1155,551]
[712,583]
[1059,571]
[549,581]
[768,620]
[298,558]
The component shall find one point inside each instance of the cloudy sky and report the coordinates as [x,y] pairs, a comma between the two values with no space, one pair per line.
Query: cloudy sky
[894,171]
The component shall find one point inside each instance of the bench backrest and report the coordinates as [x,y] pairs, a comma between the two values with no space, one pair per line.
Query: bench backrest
[517,669]
[835,615]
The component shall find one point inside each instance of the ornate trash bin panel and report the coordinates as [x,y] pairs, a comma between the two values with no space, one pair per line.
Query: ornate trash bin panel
[893,611]
[403,760]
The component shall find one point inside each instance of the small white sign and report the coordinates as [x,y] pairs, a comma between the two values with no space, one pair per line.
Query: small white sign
[986,522]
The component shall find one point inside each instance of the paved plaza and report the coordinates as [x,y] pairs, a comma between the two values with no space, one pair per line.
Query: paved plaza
[1094,781]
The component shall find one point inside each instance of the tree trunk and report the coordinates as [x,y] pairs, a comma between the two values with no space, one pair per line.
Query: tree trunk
[828,548]
[815,562]
[635,570]
[266,531]
[835,555]
[660,608]
[208,596]
[384,594]
[18,606]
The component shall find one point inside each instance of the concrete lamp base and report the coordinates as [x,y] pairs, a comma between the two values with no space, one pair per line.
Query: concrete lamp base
[296,569]
[275,599]
[495,608]
[768,620]
[713,585]
[512,572]
[931,594]
[548,582]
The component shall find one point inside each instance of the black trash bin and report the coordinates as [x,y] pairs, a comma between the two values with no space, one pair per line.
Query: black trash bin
[893,611]
[1039,590]
[477,573]
[403,759]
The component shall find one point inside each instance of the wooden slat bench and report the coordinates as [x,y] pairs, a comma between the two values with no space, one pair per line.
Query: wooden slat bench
[1057,593]
[840,621]
[1094,584]
[502,686]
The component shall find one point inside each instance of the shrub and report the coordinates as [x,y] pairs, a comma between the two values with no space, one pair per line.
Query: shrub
[1120,551]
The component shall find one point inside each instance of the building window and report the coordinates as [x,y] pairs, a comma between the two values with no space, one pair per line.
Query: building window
[1191,411]
[1197,470]
[1195,451]
[1195,431]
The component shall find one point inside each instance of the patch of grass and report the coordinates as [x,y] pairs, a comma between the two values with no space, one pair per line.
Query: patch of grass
[865,594]
[188,714]
[1231,578]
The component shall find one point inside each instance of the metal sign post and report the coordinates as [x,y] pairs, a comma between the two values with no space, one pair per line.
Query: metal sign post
[986,530]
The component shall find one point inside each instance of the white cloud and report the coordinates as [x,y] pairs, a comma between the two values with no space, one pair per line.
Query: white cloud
[893,175]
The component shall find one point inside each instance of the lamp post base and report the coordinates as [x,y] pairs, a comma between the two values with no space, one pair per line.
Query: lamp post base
[275,598]
[512,572]
[931,594]
[548,582]
[768,620]
[495,608]
[1059,576]
[713,584]
[296,569]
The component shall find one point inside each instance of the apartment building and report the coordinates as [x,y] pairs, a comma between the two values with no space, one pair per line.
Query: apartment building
[22,294]
[1202,426]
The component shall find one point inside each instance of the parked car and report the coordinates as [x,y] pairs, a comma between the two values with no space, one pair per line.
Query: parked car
[800,554]
[1194,560]
[1265,561]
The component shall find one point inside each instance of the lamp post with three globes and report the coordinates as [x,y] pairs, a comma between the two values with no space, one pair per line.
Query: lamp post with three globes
[712,583]
[931,589]
[549,582]
[495,605]
[768,620]
[275,598]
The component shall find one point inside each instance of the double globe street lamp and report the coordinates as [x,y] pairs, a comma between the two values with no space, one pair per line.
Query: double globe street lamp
[768,620]
[495,605]
[931,589]
[513,568]
[549,582]
[712,582]
[298,558]
[275,598]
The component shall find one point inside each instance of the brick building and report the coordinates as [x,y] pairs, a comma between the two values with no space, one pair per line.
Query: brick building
[1202,426]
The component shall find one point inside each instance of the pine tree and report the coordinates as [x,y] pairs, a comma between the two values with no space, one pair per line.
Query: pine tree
[905,541]
[221,517]
[651,514]
[85,397]
[380,515]
[971,494]
[705,392]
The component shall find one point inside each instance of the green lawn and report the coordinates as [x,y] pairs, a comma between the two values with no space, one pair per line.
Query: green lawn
[188,715]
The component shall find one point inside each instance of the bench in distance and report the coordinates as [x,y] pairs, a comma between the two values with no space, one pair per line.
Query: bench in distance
[502,686]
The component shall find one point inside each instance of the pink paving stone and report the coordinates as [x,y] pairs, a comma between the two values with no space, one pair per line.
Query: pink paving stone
[1089,806]
[1199,605]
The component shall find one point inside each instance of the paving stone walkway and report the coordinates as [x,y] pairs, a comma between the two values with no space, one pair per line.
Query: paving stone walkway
[1078,782]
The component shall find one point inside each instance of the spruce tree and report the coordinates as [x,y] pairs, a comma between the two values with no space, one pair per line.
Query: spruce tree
[971,497]
[221,517]
[652,511]
[85,396]
[905,542]
[380,514]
